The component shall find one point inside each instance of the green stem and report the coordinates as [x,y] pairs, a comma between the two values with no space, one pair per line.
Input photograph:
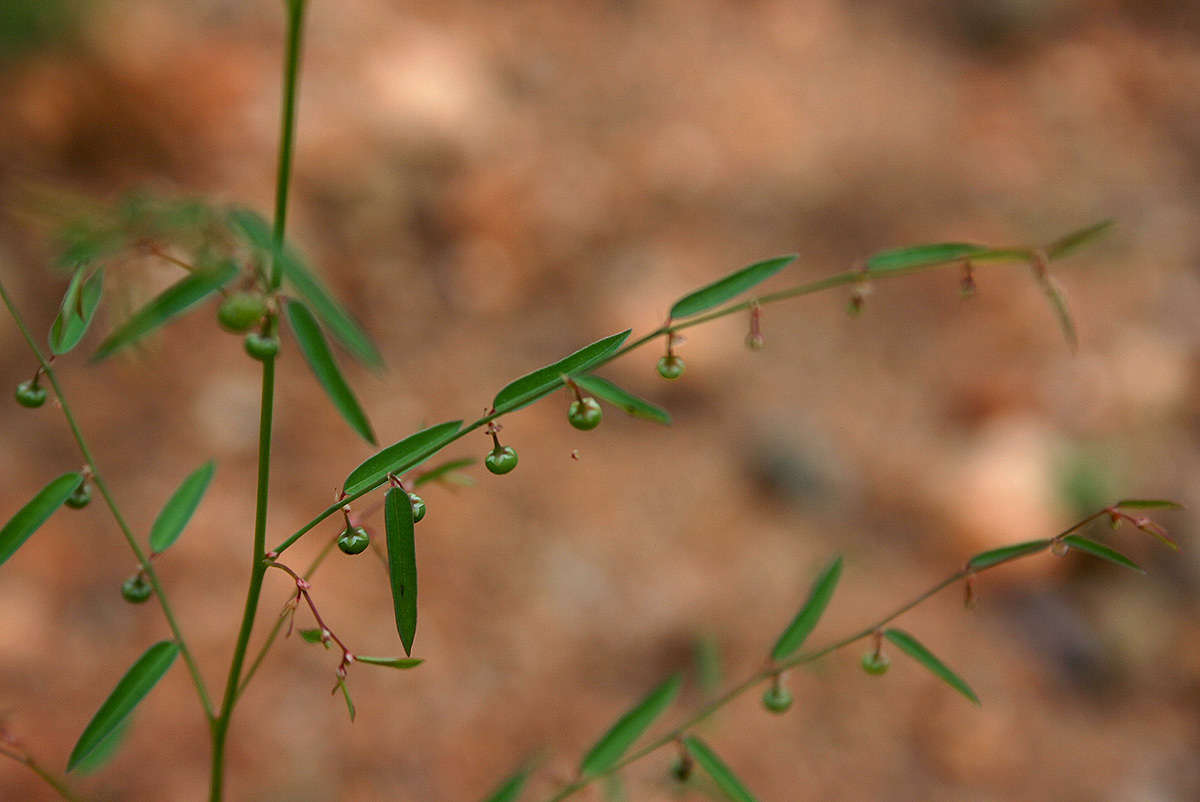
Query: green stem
[54,782]
[144,562]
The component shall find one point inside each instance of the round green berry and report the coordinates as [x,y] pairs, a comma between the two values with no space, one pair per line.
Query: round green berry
[670,367]
[777,699]
[501,459]
[80,497]
[875,663]
[136,589]
[261,346]
[585,415]
[240,311]
[418,506]
[30,394]
[354,541]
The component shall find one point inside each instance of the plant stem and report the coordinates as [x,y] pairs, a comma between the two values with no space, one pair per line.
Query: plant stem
[258,568]
[54,782]
[98,479]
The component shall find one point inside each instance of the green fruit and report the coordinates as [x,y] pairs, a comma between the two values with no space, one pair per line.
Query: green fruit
[241,310]
[136,589]
[418,506]
[80,497]
[875,663]
[261,346]
[777,699]
[354,541]
[501,459]
[681,768]
[30,394]
[585,415]
[670,367]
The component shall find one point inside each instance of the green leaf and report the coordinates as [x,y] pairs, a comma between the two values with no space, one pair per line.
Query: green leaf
[389,662]
[105,750]
[76,311]
[921,256]
[1149,504]
[339,322]
[806,620]
[725,779]
[728,287]
[132,688]
[170,303]
[913,648]
[510,789]
[987,559]
[533,386]
[179,508]
[609,749]
[34,514]
[637,407]
[1102,551]
[1058,303]
[399,457]
[313,636]
[316,353]
[346,695]
[1064,246]
[442,471]
[402,563]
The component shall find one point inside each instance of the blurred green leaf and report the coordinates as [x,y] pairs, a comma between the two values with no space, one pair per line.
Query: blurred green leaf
[1064,246]
[722,775]
[806,620]
[1148,504]
[1102,551]
[402,563]
[105,750]
[637,407]
[316,353]
[390,662]
[130,691]
[730,286]
[510,789]
[442,471]
[614,743]
[170,303]
[313,636]
[533,386]
[1058,303]
[35,513]
[180,507]
[400,457]
[987,559]
[346,695]
[922,255]
[76,311]
[614,789]
[914,649]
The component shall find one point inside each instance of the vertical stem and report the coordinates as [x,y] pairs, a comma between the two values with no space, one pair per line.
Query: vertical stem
[258,568]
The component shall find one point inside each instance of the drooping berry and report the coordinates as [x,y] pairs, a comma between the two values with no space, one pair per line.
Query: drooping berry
[501,459]
[418,506]
[29,394]
[80,497]
[875,663]
[353,540]
[261,346]
[241,310]
[777,699]
[585,414]
[136,589]
[670,367]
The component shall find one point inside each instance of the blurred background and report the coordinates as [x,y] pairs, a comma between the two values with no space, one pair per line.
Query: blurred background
[489,186]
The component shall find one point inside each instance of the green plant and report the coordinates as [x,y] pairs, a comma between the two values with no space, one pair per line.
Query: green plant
[236,246]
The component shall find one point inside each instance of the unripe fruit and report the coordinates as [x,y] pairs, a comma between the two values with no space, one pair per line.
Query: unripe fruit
[777,699]
[354,541]
[240,311]
[875,663]
[418,506]
[670,367]
[585,415]
[30,395]
[80,497]
[755,342]
[136,589]
[261,346]
[501,460]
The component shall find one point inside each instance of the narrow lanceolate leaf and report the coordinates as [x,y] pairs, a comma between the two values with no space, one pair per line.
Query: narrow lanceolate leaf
[399,457]
[402,563]
[390,662]
[346,695]
[987,559]
[609,749]
[1149,504]
[132,688]
[510,789]
[1058,303]
[731,286]
[913,648]
[722,775]
[637,407]
[921,255]
[1064,246]
[341,325]
[533,386]
[179,508]
[1102,551]
[806,620]
[34,514]
[169,304]
[314,636]
[444,471]
[76,311]
[316,353]
[105,750]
